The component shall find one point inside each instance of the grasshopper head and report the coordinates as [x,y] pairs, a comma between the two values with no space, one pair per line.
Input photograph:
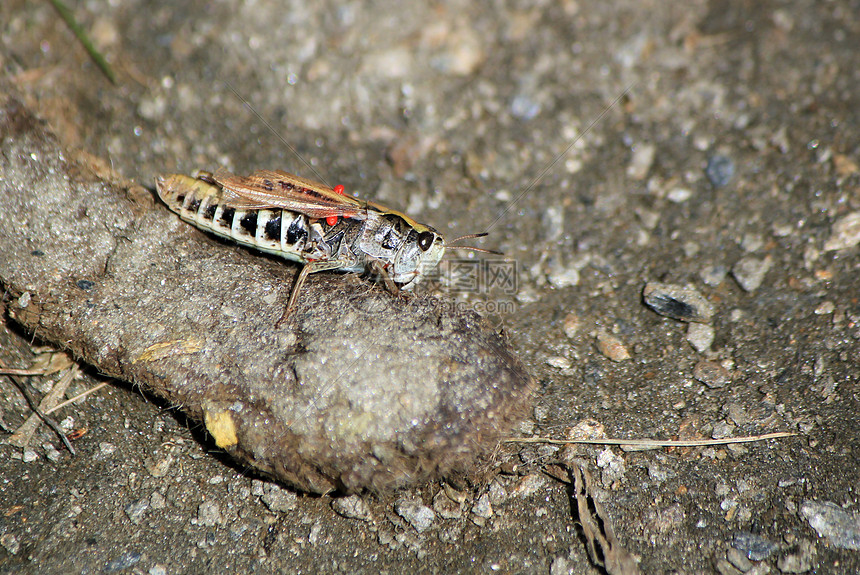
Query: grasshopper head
[417,256]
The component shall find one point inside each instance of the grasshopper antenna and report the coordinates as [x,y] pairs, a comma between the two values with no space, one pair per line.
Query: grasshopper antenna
[451,246]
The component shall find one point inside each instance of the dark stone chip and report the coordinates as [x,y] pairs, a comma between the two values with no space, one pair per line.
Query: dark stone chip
[678,302]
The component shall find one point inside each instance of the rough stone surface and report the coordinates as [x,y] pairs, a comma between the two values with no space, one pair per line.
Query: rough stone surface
[307,402]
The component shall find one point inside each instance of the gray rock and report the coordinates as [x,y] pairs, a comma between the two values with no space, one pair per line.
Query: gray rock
[720,170]
[800,561]
[678,302]
[415,513]
[10,542]
[483,508]
[278,499]
[829,520]
[756,547]
[749,272]
[209,514]
[352,507]
[135,510]
[712,374]
[700,336]
[846,233]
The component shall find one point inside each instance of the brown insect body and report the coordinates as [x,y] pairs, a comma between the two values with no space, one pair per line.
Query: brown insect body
[306,222]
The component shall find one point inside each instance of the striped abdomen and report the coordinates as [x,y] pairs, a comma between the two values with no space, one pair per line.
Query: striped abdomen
[280,232]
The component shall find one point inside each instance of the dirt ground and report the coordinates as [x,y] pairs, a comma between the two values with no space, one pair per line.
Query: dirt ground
[709,150]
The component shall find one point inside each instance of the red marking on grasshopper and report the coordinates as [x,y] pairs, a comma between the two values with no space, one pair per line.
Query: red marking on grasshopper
[332,220]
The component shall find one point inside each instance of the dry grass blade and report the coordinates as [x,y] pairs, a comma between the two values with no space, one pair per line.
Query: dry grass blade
[82,37]
[81,395]
[652,443]
[603,548]
[23,435]
[13,371]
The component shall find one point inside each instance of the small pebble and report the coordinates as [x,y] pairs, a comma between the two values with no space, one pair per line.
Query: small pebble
[723,567]
[314,535]
[679,195]
[209,514]
[524,107]
[352,507]
[571,325]
[720,170]
[157,500]
[840,526]
[51,452]
[135,510]
[10,543]
[122,562]
[560,276]
[677,302]
[498,494]
[415,513]
[561,566]
[30,455]
[844,165]
[278,499]
[700,336]
[738,559]
[749,272]
[712,374]
[611,347]
[714,275]
[465,53]
[649,218]
[825,308]
[483,508]
[613,466]
[559,362]
[845,234]
[722,430]
[752,242]
[258,487]
[658,473]
[640,163]
[159,467]
[799,562]
[529,485]
[107,448]
[445,507]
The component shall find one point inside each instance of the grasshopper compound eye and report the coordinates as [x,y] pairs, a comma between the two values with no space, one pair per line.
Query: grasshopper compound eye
[425,240]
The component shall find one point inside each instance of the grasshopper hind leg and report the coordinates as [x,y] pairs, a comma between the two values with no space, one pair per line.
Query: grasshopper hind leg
[307,269]
[294,293]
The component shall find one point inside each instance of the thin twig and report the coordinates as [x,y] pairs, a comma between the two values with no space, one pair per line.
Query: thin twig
[77,397]
[82,37]
[651,443]
[12,371]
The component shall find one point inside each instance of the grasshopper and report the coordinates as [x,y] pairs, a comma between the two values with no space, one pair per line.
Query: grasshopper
[320,227]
